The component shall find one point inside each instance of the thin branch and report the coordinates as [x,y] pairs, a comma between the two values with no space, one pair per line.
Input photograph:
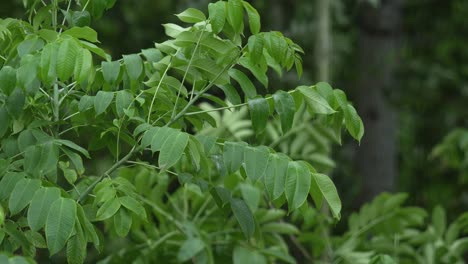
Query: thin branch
[106,174]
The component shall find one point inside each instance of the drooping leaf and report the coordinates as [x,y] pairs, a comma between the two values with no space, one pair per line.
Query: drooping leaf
[40,206]
[15,102]
[256,161]
[254,17]
[191,15]
[83,66]
[48,63]
[76,247]
[68,50]
[315,101]
[134,66]
[231,93]
[286,108]
[102,100]
[259,73]
[172,149]
[275,175]
[353,123]
[7,79]
[190,248]
[244,217]
[59,224]
[108,209]
[85,33]
[259,113]
[8,182]
[122,101]
[133,205]
[233,155]
[122,222]
[297,186]
[244,82]
[22,194]
[327,189]
[235,15]
[73,146]
[217,15]
[110,71]
[255,45]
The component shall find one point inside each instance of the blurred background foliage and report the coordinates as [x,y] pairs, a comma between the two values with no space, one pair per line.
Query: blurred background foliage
[425,89]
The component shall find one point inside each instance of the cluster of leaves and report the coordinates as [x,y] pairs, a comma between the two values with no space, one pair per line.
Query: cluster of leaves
[59,92]
[385,231]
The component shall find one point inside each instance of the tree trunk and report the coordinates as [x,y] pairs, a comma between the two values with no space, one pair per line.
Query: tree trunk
[378,47]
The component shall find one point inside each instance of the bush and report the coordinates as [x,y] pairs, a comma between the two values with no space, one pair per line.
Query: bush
[107,152]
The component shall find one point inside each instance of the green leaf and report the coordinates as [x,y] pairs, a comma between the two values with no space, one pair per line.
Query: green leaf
[286,108]
[83,66]
[108,209]
[172,149]
[246,85]
[259,113]
[353,123]
[152,55]
[280,228]
[323,184]
[15,102]
[439,220]
[73,146]
[134,206]
[102,101]
[297,186]
[22,194]
[217,16]
[256,162]
[233,155]
[259,73]
[235,15]
[122,222]
[48,63]
[81,18]
[59,224]
[5,124]
[110,71]
[156,144]
[255,45]
[190,248]
[134,66]
[122,101]
[88,227]
[40,206]
[243,216]
[230,93]
[29,46]
[67,52]
[191,15]
[8,182]
[85,33]
[95,49]
[254,18]
[27,73]
[173,30]
[243,255]
[315,101]
[76,248]
[7,79]
[275,175]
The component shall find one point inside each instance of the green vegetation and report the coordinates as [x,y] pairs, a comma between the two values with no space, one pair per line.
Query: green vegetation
[188,151]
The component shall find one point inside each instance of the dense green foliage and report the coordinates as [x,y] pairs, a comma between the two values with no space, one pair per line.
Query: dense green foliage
[65,104]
